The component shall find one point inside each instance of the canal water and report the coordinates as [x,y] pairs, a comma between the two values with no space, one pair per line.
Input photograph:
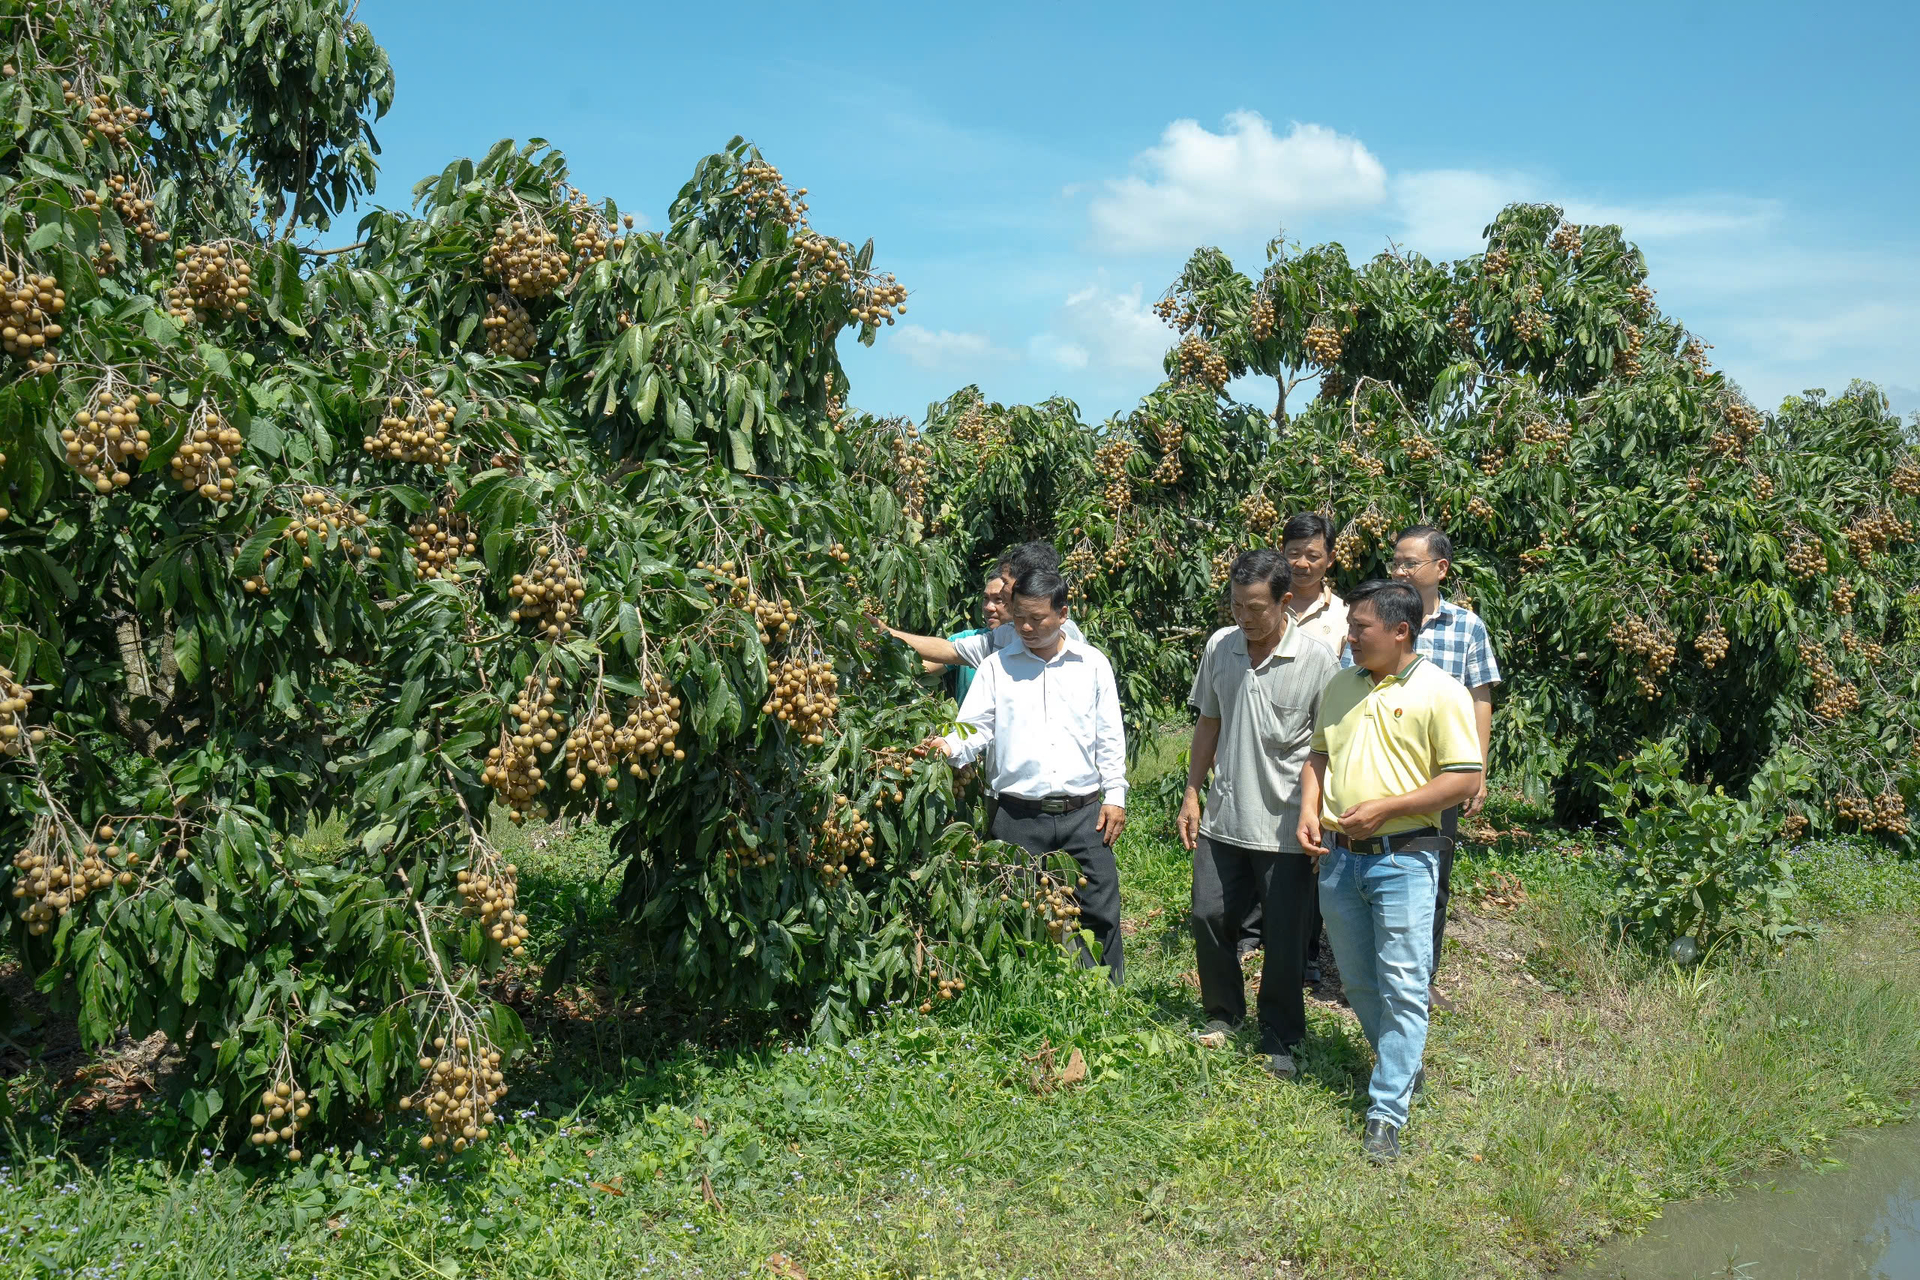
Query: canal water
[1857,1220]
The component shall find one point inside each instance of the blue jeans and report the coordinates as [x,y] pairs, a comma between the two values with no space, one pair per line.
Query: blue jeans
[1379,914]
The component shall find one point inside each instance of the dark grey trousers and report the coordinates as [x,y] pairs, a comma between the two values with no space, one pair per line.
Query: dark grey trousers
[1225,879]
[1076,833]
[1443,889]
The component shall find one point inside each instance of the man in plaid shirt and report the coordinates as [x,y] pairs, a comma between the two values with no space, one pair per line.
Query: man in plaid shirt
[1456,641]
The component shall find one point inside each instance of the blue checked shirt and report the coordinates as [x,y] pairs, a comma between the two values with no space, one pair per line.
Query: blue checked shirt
[1456,641]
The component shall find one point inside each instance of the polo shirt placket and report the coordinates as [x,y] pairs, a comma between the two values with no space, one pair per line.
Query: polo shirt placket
[1266,716]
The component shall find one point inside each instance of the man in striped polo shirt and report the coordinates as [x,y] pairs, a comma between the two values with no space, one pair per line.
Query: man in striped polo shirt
[1394,747]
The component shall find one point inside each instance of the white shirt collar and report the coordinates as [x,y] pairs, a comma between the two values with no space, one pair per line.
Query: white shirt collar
[1068,645]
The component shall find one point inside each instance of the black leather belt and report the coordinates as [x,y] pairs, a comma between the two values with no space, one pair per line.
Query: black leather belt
[1386,844]
[1021,807]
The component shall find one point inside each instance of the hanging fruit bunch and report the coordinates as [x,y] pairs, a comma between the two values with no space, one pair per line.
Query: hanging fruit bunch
[204,462]
[1169,435]
[772,620]
[1566,239]
[597,747]
[912,463]
[212,282]
[463,1084]
[1711,645]
[1199,362]
[1873,532]
[414,428]
[28,304]
[15,698]
[526,257]
[1260,513]
[1652,642]
[109,440]
[106,120]
[324,518]
[1840,597]
[804,695]
[1906,478]
[513,768]
[1460,325]
[1626,359]
[1833,696]
[1110,462]
[283,1112]
[1260,316]
[822,263]
[1324,343]
[490,893]
[878,299]
[843,842]
[439,541]
[593,236]
[508,327]
[765,193]
[133,201]
[549,596]
[1806,558]
[58,868]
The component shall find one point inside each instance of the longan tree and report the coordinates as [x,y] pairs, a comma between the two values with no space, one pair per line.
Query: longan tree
[507,510]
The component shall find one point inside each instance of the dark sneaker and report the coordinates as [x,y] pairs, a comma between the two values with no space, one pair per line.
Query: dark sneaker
[1281,1065]
[1381,1143]
[1311,977]
[1437,1000]
[1420,1082]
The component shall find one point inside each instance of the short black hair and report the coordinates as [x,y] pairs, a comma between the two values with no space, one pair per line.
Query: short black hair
[1393,603]
[1042,584]
[1308,524]
[1262,564]
[1438,544]
[1015,561]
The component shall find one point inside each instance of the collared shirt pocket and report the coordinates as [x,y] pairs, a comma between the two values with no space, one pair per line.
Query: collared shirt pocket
[1286,718]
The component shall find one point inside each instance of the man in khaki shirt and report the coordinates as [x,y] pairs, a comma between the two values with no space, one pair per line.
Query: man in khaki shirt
[1257,694]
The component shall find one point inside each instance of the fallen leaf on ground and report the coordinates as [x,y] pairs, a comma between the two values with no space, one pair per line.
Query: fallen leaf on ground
[1076,1069]
[779,1264]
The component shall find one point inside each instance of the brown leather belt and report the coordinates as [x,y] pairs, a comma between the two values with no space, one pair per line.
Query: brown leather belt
[1051,806]
[1386,844]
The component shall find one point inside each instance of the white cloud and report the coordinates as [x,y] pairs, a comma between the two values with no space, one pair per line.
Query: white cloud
[944,349]
[1446,211]
[1101,328]
[1199,184]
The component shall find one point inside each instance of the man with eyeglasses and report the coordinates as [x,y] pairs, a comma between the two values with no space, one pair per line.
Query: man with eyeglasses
[1455,640]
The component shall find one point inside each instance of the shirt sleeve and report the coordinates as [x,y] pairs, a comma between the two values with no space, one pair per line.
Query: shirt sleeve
[1204,699]
[976,717]
[975,649]
[1482,667]
[1452,737]
[1110,737]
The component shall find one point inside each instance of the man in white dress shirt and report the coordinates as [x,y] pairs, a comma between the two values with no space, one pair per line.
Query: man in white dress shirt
[1047,706]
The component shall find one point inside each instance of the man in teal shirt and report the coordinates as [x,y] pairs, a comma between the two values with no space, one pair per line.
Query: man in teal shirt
[994,607]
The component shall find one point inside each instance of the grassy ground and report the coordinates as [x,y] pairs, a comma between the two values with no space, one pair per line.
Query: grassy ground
[1573,1090]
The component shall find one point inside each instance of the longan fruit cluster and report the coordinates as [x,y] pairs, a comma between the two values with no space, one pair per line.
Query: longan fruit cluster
[513,768]
[981,430]
[1169,435]
[844,842]
[1841,596]
[135,209]
[1626,360]
[948,989]
[28,303]
[509,328]
[1642,299]
[1653,643]
[527,258]
[15,698]
[1695,354]
[765,193]
[203,463]
[1870,650]
[1349,549]
[1743,418]
[1479,508]
[1874,532]
[107,442]
[912,461]
[805,696]
[51,876]
[1709,556]
[771,618]
[413,430]
[1806,559]
[1906,478]
[459,1094]
[1324,344]
[1364,463]
[1530,325]
[1794,826]
[1115,557]
[1833,696]
[1889,813]
[1199,362]
[1260,513]
[1460,324]
[325,517]
[549,596]
[489,893]
[1711,645]
[106,121]
[283,1113]
[593,239]
[1078,564]
[1422,449]
[1497,262]
[439,541]
[1110,462]
[1176,313]
[1260,317]
[878,300]
[645,741]
[823,263]
[1853,808]
[1492,461]
[1544,430]
[1222,566]
[1566,239]
[837,551]
[212,280]
[1054,901]
[1762,486]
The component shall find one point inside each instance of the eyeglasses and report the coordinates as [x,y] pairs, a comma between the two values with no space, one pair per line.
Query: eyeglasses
[1401,565]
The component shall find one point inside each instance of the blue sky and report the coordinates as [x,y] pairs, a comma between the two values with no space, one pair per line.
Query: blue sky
[1036,174]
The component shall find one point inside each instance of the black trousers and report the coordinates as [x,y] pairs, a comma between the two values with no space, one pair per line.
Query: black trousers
[1077,833]
[1225,878]
[1443,890]
[1253,936]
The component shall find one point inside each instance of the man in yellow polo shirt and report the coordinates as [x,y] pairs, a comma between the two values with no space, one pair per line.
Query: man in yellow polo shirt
[1394,747]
